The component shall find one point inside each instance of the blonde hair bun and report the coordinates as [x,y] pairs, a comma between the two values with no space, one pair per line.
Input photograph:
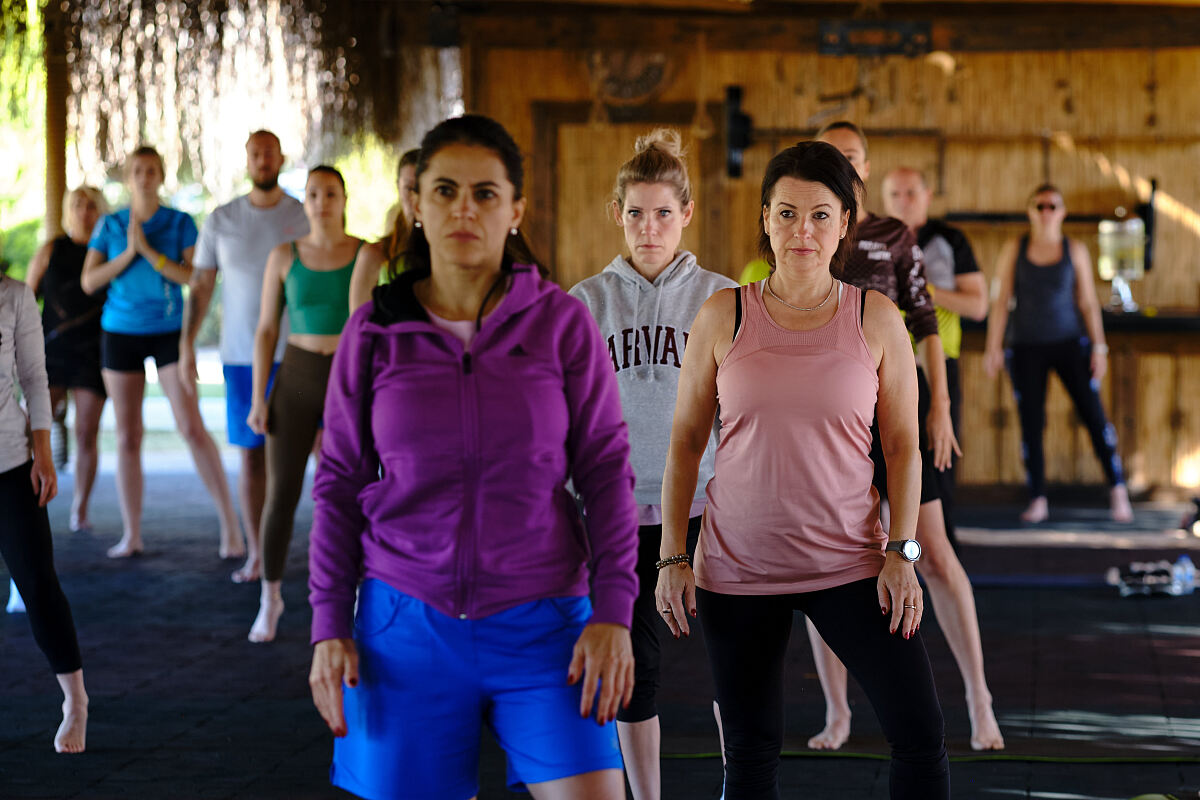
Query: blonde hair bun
[658,158]
[667,140]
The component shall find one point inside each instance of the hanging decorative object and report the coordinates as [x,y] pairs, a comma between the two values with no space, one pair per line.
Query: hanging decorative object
[597,74]
[866,87]
[628,77]
[1152,91]
[873,37]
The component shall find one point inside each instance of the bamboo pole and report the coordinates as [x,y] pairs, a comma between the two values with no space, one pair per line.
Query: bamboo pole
[55,57]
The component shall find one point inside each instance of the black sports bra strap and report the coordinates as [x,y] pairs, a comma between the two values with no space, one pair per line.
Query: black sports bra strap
[862,305]
[737,310]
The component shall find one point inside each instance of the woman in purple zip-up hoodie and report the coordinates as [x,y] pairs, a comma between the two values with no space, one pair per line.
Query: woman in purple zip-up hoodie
[460,402]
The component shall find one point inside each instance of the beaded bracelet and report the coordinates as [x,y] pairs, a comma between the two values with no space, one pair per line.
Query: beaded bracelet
[681,558]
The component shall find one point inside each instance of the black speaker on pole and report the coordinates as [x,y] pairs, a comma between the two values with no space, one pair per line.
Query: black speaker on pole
[737,131]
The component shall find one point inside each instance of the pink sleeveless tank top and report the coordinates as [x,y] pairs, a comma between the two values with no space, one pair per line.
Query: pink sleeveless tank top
[791,507]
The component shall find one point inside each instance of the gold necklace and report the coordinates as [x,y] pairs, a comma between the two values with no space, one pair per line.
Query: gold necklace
[798,308]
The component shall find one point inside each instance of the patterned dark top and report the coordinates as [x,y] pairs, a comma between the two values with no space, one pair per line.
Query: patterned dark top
[886,258]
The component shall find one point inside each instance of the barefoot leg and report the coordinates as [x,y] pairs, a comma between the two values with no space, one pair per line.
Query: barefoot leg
[89,406]
[270,608]
[252,493]
[640,743]
[954,603]
[833,685]
[72,733]
[1037,511]
[126,390]
[206,456]
[1121,508]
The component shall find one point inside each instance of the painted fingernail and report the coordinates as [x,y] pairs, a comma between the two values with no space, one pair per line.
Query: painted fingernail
[882,610]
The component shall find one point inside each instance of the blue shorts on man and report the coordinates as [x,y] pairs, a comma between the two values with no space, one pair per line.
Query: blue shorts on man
[239,388]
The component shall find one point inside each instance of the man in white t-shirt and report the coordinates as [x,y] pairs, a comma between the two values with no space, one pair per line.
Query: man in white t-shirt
[236,239]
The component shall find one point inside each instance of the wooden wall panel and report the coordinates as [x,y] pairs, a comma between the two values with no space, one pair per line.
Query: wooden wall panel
[588,237]
[977,436]
[1152,463]
[986,132]
[1186,459]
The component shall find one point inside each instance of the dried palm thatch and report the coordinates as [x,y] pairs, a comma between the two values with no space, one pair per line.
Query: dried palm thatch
[163,71]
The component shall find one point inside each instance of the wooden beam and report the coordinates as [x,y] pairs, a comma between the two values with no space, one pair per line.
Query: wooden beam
[57,92]
[978,27]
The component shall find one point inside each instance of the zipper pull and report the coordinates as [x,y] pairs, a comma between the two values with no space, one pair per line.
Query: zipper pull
[466,363]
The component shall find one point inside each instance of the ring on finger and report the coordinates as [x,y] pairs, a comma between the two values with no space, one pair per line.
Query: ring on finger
[665,611]
[914,608]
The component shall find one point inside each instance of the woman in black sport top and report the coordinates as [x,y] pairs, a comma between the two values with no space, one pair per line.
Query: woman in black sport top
[1055,325]
[71,321]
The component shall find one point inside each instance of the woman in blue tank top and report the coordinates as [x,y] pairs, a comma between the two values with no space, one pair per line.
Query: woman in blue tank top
[1055,325]
[143,254]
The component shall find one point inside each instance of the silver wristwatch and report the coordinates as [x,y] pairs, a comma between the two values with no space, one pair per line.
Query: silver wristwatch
[909,549]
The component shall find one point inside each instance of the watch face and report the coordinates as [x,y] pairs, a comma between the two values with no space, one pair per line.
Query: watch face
[911,550]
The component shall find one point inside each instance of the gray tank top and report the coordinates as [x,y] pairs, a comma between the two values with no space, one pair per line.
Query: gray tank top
[1046,310]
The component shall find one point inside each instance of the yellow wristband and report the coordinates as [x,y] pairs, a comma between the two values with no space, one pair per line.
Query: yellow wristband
[160,263]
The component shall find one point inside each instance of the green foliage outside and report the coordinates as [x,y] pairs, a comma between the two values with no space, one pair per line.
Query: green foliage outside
[22,133]
[367,163]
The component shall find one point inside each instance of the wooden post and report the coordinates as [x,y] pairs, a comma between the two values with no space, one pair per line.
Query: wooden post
[55,56]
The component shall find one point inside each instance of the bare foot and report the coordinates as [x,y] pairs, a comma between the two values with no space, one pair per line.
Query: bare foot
[1121,509]
[985,731]
[248,572]
[269,611]
[72,733]
[125,548]
[79,524]
[837,731]
[1037,511]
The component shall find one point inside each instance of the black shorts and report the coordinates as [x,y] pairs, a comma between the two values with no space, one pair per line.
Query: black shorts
[122,352]
[929,482]
[74,363]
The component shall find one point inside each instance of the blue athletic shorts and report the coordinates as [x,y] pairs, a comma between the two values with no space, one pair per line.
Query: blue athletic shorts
[427,682]
[239,387]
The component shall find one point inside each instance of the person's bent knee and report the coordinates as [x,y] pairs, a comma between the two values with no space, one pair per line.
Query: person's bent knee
[194,434]
[129,438]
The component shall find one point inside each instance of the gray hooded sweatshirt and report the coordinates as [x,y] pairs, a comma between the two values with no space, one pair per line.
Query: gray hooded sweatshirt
[645,326]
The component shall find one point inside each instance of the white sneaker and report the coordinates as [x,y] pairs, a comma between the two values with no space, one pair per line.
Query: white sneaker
[15,604]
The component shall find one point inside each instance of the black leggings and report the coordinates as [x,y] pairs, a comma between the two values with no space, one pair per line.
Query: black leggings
[28,553]
[747,637]
[648,628]
[294,411]
[1029,366]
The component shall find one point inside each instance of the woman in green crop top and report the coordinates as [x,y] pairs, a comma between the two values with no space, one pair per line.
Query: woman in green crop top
[311,278]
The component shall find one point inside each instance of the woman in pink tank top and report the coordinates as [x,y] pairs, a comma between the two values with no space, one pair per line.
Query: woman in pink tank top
[800,364]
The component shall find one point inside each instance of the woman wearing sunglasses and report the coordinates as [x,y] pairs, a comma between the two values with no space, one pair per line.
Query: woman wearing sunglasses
[1055,325]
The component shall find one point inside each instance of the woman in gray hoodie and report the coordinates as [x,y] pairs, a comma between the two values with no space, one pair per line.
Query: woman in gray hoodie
[644,304]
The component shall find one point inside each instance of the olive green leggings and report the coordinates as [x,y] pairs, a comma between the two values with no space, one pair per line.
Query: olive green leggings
[293,418]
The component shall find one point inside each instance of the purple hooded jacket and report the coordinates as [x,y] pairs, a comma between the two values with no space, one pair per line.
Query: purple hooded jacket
[444,471]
